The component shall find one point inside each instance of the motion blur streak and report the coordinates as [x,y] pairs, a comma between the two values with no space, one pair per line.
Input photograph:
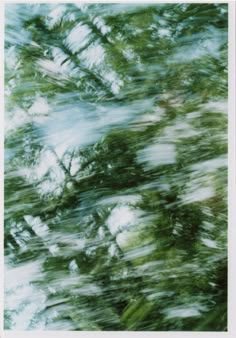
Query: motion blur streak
[116,167]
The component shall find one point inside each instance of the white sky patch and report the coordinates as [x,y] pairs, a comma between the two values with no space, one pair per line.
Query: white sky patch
[73,267]
[54,185]
[145,119]
[121,114]
[128,236]
[101,233]
[49,187]
[157,154]
[71,161]
[150,118]
[50,68]
[112,78]
[99,22]
[58,56]
[55,16]
[112,250]
[11,84]
[199,187]
[75,165]
[68,131]
[16,119]
[194,115]
[54,249]
[157,295]
[182,313]
[208,225]
[78,37]
[67,67]
[47,160]
[35,44]
[162,21]
[80,243]
[195,50]
[129,54]
[87,290]
[60,149]
[40,119]
[22,321]
[78,125]
[41,229]
[28,304]
[47,164]
[11,58]
[25,235]
[21,296]
[209,243]
[24,272]
[179,130]
[82,6]
[93,56]
[39,107]
[216,106]
[21,236]
[124,237]
[123,199]
[37,112]
[164,32]
[198,195]
[210,165]
[121,217]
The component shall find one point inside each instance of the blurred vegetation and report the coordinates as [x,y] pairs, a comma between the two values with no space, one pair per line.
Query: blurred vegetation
[129,222]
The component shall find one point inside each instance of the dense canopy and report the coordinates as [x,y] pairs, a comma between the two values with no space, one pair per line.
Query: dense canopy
[116,166]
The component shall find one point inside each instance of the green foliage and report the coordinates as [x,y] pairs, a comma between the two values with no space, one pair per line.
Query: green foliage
[126,226]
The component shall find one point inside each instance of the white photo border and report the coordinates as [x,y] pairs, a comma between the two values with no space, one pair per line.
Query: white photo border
[231,333]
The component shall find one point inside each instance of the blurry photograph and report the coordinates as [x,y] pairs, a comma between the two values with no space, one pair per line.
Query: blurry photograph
[115,173]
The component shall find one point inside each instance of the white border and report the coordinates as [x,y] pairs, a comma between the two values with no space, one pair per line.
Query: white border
[231,195]
[115,334]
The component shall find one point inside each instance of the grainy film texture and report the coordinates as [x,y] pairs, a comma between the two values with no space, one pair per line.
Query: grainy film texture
[116,166]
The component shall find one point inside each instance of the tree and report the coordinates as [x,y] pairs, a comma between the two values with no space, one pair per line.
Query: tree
[115,172]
